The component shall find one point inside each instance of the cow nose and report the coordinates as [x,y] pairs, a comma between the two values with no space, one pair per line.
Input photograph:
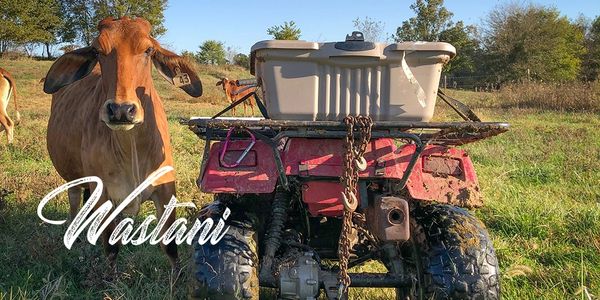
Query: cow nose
[120,113]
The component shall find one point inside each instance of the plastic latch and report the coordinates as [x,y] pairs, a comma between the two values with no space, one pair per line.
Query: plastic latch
[356,36]
[380,168]
[303,170]
[355,42]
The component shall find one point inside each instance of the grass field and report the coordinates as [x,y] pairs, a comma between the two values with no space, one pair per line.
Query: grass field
[541,183]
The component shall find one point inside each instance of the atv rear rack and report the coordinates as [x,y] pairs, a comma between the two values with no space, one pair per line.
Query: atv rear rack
[439,133]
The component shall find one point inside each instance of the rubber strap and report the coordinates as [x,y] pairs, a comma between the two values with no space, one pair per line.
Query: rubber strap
[460,108]
[261,107]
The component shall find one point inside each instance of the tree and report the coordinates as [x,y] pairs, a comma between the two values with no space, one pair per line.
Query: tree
[29,22]
[464,39]
[80,16]
[25,23]
[372,30]
[50,19]
[432,18]
[241,60]
[151,10]
[591,60]
[532,41]
[84,15]
[189,55]
[287,31]
[433,23]
[211,53]
[12,28]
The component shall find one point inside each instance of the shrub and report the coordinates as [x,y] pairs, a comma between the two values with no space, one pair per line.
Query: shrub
[570,96]
[13,55]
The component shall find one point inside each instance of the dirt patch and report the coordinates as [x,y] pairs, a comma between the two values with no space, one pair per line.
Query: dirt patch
[468,197]
[467,232]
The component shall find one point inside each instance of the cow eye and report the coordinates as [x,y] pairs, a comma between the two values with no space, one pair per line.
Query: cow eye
[150,50]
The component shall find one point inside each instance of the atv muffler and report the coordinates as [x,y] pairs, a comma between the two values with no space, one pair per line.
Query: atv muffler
[388,217]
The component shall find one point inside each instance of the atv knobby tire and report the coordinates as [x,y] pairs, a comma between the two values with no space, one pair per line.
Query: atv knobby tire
[227,270]
[451,255]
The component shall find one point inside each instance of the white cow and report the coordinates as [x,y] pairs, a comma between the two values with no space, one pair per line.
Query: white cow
[7,89]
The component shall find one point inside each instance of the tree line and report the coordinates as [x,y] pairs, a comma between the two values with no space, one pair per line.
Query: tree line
[515,42]
[213,52]
[26,24]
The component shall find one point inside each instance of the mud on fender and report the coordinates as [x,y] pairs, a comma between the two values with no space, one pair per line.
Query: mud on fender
[444,175]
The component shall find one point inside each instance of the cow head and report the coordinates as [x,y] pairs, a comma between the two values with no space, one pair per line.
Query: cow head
[125,51]
[224,82]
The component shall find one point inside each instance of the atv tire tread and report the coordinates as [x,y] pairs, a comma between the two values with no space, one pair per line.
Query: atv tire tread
[458,259]
[226,270]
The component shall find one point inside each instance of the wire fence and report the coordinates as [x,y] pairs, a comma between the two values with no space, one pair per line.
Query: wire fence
[478,83]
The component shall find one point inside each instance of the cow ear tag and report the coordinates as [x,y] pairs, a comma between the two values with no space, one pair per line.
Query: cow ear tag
[180,79]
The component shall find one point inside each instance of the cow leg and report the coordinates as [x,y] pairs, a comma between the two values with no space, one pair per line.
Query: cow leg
[161,197]
[3,123]
[111,251]
[74,195]
[7,123]
[74,201]
[10,131]
[86,195]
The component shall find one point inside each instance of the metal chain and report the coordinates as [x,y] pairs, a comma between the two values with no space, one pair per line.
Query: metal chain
[354,162]
[360,224]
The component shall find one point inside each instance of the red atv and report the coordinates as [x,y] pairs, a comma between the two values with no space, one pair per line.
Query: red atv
[311,199]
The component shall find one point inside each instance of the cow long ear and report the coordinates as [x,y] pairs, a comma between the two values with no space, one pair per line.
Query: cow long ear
[69,68]
[178,71]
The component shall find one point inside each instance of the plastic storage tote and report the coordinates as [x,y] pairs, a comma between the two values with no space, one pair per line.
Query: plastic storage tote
[327,81]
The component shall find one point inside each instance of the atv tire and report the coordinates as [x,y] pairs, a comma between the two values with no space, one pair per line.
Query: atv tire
[451,255]
[227,270]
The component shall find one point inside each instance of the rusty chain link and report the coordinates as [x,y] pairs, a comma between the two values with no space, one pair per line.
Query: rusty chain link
[354,162]
[360,224]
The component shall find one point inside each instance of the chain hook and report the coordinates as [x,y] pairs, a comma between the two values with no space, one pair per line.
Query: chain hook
[361,163]
[350,203]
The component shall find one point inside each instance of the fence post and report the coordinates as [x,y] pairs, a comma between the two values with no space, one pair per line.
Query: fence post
[445,81]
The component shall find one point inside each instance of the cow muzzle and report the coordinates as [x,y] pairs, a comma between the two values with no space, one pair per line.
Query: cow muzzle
[121,116]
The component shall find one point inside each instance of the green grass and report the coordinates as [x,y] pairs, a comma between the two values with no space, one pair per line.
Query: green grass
[540,181]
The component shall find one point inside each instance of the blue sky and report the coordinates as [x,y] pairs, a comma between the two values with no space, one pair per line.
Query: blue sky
[239,24]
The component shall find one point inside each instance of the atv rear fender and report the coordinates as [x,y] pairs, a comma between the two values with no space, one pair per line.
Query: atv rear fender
[442,174]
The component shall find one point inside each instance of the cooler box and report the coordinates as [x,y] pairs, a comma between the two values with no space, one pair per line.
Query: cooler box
[327,81]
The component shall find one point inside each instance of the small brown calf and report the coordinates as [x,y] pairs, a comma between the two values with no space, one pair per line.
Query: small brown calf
[235,92]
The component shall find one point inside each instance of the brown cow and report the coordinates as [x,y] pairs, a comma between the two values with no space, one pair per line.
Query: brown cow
[7,88]
[107,119]
[235,92]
